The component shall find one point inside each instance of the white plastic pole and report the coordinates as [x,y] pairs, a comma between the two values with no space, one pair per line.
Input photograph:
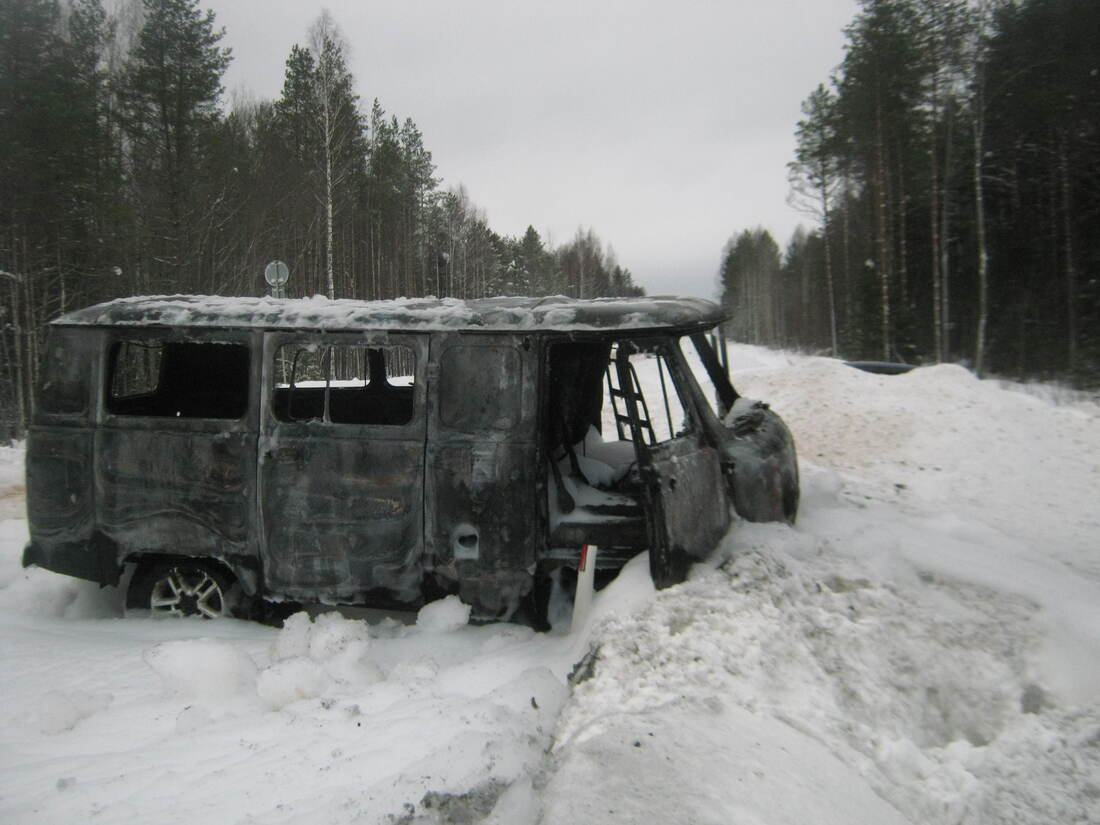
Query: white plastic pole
[586,587]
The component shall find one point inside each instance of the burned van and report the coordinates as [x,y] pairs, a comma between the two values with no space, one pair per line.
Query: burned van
[225,453]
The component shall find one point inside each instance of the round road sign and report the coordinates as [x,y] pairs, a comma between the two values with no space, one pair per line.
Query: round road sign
[276,273]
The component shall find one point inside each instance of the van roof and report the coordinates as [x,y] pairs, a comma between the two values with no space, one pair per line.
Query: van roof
[550,314]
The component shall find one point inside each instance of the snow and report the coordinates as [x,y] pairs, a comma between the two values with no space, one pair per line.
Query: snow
[444,616]
[923,646]
[557,312]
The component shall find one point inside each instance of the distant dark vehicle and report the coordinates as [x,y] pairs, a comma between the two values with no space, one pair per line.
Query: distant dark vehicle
[236,451]
[881,367]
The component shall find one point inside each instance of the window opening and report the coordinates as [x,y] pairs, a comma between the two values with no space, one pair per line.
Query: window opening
[592,432]
[178,379]
[64,387]
[664,393]
[585,470]
[708,361]
[344,384]
[644,377]
[136,369]
[622,387]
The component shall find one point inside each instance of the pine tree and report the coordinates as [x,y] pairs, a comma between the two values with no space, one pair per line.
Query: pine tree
[418,184]
[944,25]
[882,83]
[815,177]
[171,91]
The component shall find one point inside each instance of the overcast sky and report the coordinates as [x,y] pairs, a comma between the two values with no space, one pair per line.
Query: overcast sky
[665,127]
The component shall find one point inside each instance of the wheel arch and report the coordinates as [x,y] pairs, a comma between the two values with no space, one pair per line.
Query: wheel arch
[246,577]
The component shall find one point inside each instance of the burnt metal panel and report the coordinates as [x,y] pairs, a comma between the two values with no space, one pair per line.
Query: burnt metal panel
[60,502]
[482,490]
[757,451]
[342,504]
[762,465]
[688,512]
[175,489]
[177,485]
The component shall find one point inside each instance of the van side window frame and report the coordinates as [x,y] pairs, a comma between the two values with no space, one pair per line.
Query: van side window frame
[374,402]
[64,394]
[226,404]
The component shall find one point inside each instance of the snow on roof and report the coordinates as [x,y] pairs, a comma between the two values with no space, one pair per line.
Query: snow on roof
[557,313]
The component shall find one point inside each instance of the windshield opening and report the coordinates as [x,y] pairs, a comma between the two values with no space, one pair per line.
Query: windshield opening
[709,364]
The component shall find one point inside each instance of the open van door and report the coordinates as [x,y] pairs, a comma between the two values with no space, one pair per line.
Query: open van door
[687,512]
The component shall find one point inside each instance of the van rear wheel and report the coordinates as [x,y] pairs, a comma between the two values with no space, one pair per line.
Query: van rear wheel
[183,587]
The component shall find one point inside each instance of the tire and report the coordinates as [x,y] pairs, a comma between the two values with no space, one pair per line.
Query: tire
[669,567]
[181,587]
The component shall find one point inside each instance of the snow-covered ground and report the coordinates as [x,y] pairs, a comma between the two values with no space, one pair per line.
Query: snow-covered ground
[924,646]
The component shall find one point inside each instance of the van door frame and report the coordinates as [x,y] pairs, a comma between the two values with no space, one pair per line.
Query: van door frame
[340,506]
[687,510]
[176,485]
[482,488]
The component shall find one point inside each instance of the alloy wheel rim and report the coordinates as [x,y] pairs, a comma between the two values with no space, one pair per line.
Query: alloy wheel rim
[187,592]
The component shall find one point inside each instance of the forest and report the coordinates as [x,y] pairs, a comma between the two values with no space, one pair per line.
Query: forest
[123,172]
[950,167]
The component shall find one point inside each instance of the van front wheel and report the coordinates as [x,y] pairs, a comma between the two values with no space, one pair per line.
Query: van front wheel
[185,587]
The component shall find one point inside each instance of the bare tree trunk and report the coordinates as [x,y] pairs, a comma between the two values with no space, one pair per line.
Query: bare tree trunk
[62,298]
[944,267]
[30,339]
[1067,253]
[376,263]
[937,287]
[13,380]
[17,339]
[934,209]
[979,194]
[329,271]
[30,335]
[882,208]
[825,237]
[983,254]
[849,311]
[903,245]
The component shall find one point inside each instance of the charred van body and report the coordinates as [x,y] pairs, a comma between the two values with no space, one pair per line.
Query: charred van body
[386,453]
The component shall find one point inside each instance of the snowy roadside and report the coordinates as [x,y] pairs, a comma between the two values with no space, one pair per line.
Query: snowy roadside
[924,646]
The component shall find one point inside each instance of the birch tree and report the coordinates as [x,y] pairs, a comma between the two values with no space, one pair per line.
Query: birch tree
[339,127]
[977,125]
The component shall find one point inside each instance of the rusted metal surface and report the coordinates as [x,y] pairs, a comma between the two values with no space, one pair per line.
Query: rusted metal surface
[448,464]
